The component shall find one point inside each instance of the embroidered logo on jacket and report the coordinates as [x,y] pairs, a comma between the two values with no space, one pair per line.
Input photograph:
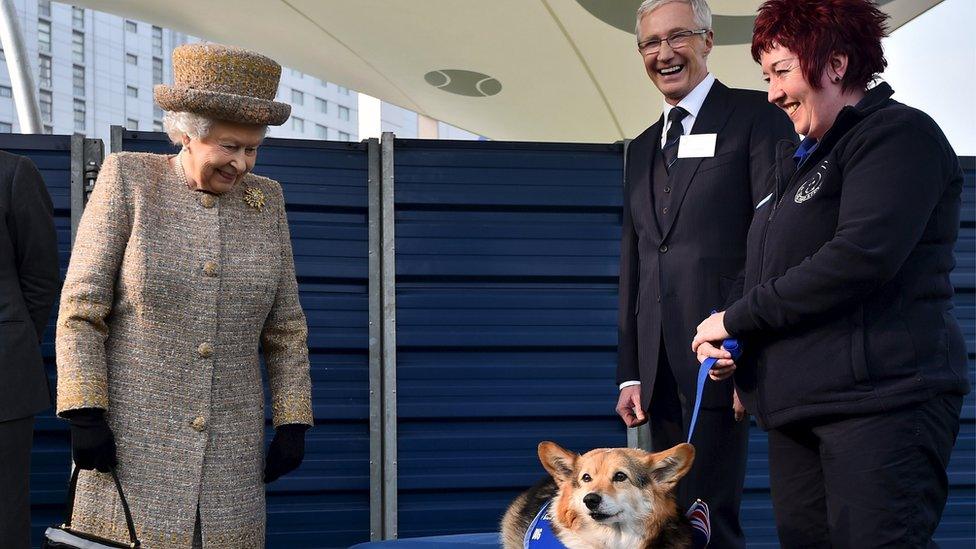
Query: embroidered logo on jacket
[812,185]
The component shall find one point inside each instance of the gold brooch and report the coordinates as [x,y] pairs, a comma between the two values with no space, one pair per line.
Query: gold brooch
[254,198]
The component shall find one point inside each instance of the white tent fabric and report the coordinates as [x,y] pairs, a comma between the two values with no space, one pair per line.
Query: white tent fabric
[552,70]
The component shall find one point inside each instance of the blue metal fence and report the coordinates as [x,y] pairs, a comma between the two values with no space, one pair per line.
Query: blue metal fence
[506,303]
[506,320]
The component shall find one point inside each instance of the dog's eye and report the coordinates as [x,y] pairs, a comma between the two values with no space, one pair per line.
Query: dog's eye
[619,477]
[586,477]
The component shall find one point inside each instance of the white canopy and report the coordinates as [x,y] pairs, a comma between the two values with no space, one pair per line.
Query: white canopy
[552,70]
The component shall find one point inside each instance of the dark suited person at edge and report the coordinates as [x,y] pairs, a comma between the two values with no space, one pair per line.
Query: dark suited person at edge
[28,289]
[688,204]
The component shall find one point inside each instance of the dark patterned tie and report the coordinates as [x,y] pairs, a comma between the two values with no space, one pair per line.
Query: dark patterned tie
[675,129]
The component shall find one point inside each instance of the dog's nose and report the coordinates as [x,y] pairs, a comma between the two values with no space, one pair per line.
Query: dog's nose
[592,500]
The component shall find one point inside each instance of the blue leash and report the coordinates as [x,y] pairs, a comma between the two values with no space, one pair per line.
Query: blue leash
[730,345]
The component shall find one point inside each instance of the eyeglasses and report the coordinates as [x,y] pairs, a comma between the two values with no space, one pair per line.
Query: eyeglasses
[676,41]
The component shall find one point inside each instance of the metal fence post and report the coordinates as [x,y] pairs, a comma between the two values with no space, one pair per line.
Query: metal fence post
[86,160]
[375,345]
[382,342]
[115,143]
[388,269]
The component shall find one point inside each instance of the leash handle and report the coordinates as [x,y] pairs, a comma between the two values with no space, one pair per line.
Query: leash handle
[732,346]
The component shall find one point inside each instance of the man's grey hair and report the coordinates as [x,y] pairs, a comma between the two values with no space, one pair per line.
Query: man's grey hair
[177,124]
[699,8]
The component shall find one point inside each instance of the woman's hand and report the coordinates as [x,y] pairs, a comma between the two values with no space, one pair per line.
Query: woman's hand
[723,367]
[710,329]
[92,442]
[286,452]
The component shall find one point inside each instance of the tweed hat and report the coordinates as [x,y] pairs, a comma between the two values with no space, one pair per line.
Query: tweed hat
[224,83]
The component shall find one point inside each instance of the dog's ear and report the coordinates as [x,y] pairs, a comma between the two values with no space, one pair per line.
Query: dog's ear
[559,461]
[669,466]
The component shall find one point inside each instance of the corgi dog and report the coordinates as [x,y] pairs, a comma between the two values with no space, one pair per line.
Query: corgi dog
[607,498]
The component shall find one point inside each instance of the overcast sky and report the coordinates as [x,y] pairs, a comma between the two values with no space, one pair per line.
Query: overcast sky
[932,66]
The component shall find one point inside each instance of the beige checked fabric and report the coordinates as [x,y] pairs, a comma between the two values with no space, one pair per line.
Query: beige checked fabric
[168,295]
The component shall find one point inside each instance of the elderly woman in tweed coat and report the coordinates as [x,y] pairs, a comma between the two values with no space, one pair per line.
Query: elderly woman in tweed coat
[181,268]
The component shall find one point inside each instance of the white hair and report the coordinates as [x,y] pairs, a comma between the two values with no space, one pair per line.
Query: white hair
[699,8]
[177,124]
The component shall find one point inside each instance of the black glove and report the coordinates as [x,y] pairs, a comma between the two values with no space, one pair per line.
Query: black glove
[286,452]
[92,443]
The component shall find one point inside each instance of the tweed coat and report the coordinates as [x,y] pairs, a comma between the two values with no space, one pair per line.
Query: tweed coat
[168,294]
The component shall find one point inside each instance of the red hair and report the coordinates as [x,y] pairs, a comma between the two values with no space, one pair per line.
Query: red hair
[816,29]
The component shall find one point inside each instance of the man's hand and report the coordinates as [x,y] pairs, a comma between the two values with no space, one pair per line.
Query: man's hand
[629,406]
[711,329]
[737,408]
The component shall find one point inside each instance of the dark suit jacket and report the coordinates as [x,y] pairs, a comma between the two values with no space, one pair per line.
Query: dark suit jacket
[671,280]
[29,279]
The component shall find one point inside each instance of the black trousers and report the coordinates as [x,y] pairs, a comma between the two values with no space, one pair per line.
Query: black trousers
[16,437]
[876,480]
[721,445]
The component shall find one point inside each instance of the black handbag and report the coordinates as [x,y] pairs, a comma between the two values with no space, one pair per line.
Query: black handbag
[63,537]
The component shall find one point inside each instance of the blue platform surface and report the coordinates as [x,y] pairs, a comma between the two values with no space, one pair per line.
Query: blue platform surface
[437,542]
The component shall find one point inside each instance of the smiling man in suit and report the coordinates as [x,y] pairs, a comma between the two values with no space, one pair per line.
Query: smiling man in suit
[693,180]
[29,282]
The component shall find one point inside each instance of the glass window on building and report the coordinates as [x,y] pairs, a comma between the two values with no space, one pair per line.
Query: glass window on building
[44,70]
[131,59]
[297,73]
[157,40]
[44,36]
[321,105]
[46,101]
[130,26]
[157,70]
[157,111]
[79,115]
[77,17]
[44,8]
[5,91]
[343,136]
[78,47]
[132,124]
[132,91]
[322,132]
[297,97]
[297,124]
[343,113]
[343,90]
[78,80]
[6,127]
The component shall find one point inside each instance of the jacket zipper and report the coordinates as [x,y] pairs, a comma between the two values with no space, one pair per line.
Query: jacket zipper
[777,199]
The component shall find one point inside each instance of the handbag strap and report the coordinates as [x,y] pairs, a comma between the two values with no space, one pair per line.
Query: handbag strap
[69,506]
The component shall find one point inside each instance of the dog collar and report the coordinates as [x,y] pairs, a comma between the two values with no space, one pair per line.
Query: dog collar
[540,534]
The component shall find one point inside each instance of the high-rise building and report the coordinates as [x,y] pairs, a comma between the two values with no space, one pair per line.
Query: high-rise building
[94,70]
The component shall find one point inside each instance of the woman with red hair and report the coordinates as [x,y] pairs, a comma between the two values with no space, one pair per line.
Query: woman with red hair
[853,360]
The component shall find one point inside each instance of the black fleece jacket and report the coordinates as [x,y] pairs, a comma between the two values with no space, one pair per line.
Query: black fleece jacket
[847,304]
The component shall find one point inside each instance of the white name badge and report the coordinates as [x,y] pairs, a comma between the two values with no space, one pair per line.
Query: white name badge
[697,145]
